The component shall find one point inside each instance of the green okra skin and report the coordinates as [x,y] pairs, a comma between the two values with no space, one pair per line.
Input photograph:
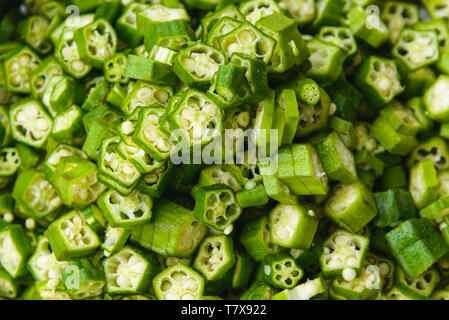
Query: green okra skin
[244,266]
[399,15]
[82,280]
[115,68]
[281,271]
[419,288]
[424,183]
[367,29]
[435,102]
[14,244]
[109,11]
[253,197]
[172,231]
[393,206]
[149,70]
[434,149]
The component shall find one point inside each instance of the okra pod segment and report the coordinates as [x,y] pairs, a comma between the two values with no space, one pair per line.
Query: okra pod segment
[373,32]
[366,286]
[393,207]
[173,35]
[196,65]
[14,250]
[424,183]
[434,149]
[82,280]
[17,69]
[281,271]
[436,102]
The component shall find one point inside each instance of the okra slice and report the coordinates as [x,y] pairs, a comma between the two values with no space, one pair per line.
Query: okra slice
[343,251]
[115,239]
[337,159]
[144,162]
[60,93]
[211,20]
[115,166]
[244,266]
[249,40]
[217,206]
[157,13]
[256,196]
[174,34]
[222,27]
[256,75]
[130,271]
[303,11]
[36,194]
[32,31]
[434,149]
[399,15]
[328,13]
[419,288]
[423,183]
[41,75]
[393,206]
[351,206]
[386,269]
[97,90]
[326,61]
[281,271]
[287,102]
[125,212]
[18,68]
[290,49]
[126,25]
[341,37]
[440,295]
[416,49]
[416,245]
[115,68]
[391,139]
[82,280]
[308,169]
[440,27]
[313,117]
[178,282]
[373,32]
[14,250]
[255,10]
[196,65]
[30,124]
[172,231]
[150,70]
[67,52]
[401,118]
[70,237]
[363,287]
[9,288]
[53,157]
[5,127]
[96,42]
[215,257]
[95,218]
[256,239]
[10,162]
[379,80]
[197,119]
[259,290]
[292,226]
[435,101]
[305,291]
[154,183]
[150,137]
[217,174]
[67,124]
[145,94]
[436,8]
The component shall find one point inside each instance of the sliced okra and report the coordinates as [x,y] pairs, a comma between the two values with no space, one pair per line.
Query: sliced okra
[436,8]
[76,181]
[256,239]
[173,231]
[305,291]
[115,68]
[14,250]
[416,49]
[434,149]
[70,237]
[36,194]
[290,50]
[115,239]
[30,124]
[379,80]
[145,94]
[222,27]
[292,226]
[363,287]
[393,206]
[67,124]
[125,212]
[82,280]
[259,290]
[10,161]
[256,196]
[154,183]
[41,75]
[303,11]
[401,118]
[96,42]
[95,218]
[419,288]
[399,15]
[215,257]
[437,103]
[351,206]
[150,70]
[440,27]
[173,35]
[337,159]
[249,40]
[374,33]
[343,251]
[178,282]
[18,68]
[328,13]
[126,25]
[210,21]
[281,271]
[130,271]
[54,157]
[217,174]
[313,117]
[217,206]
[33,31]
[423,183]
[198,119]
[158,13]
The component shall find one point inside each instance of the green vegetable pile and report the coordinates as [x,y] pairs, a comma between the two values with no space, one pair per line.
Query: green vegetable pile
[105,106]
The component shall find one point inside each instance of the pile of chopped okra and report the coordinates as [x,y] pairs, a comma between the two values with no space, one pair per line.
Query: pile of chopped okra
[105,106]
